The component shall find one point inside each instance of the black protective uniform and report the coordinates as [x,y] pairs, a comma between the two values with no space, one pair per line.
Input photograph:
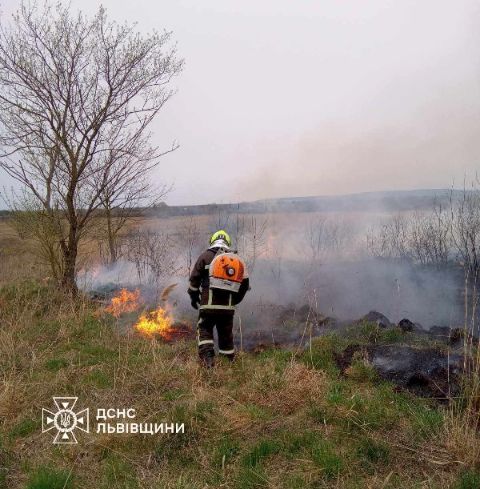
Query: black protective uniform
[216,309]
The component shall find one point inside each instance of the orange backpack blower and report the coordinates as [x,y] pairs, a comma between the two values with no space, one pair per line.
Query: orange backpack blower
[227,272]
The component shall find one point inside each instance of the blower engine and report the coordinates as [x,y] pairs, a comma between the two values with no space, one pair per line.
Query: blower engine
[226,272]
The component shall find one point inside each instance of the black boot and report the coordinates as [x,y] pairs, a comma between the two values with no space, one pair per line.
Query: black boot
[208,362]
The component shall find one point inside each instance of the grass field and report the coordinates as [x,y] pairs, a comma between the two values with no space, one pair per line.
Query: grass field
[273,419]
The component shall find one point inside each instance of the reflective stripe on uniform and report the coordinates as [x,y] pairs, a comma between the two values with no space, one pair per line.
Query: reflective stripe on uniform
[207,267]
[215,306]
[193,288]
[205,342]
[226,352]
[200,321]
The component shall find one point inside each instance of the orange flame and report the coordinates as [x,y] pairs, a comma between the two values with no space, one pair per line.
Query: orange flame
[124,302]
[156,322]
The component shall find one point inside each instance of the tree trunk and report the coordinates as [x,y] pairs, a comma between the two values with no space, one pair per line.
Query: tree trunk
[112,238]
[68,279]
[70,252]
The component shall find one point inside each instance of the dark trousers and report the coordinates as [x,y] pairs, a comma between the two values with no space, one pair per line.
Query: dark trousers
[224,324]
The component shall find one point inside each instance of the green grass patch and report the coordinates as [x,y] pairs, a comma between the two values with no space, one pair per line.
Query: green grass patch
[372,453]
[426,421]
[321,415]
[204,410]
[260,451]
[324,456]
[256,412]
[392,335]
[93,354]
[322,354]
[226,450]
[251,478]
[469,480]
[173,394]
[56,364]
[99,379]
[376,408]
[43,333]
[23,292]
[118,473]
[294,443]
[46,477]
[337,392]
[368,332]
[178,447]
[360,370]
[24,428]
[280,356]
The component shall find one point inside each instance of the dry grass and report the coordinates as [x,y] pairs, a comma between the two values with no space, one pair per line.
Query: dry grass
[269,420]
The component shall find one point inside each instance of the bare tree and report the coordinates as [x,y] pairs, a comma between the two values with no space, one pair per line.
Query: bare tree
[30,220]
[465,219]
[430,238]
[277,262]
[220,219]
[324,236]
[191,235]
[251,237]
[153,254]
[391,240]
[421,237]
[248,232]
[118,209]
[77,97]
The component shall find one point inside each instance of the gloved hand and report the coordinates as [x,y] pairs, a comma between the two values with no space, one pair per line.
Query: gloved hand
[194,298]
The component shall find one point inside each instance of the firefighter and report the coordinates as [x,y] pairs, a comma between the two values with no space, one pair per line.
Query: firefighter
[215,291]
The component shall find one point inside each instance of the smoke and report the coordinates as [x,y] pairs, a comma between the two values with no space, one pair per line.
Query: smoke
[106,280]
[120,274]
[347,290]
[428,147]
[305,258]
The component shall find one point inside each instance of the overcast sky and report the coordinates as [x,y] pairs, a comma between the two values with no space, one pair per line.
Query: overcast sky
[283,98]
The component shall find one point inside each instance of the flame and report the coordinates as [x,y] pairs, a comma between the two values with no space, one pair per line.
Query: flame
[156,322]
[125,301]
[151,323]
